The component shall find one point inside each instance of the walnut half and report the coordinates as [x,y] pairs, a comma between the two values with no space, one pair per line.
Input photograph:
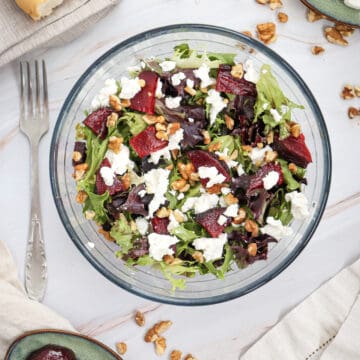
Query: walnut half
[266,32]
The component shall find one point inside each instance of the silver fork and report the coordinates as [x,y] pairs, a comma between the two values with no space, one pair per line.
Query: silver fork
[34,123]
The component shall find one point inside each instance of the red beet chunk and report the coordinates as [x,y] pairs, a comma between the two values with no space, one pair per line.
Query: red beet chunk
[256,180]
[52,352]
[96,121]
[144,100]
[293,150]
[146,142]
[160,225]
[205,158]
[225,82]
[208,220]
[101,187]
[79,147]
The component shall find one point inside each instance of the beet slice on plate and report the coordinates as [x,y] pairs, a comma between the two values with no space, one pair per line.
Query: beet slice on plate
[294,150]
[146,142]
[208,220]
[96,121]
[101,187]
[144,100]
[225,82]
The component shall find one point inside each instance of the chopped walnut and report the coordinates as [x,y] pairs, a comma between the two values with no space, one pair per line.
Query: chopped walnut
[175,355]
[175,153]
[282,17]
[153,119]
[162,135]
[312,16]
[126,181]
[168,259]
[125,103]
[114,102]
[178,184]
[295,130]
[266,32]
[241,216]
[160,346]
[76,156]
[334,36]
[206,136]
[115,144]
[190,91]
[106,234]
[160,127]
[275,4]
[151,335]
[348,92]
[163,212]
[215,146]
[317,50]
[293,168]
[357,91]
[121,348]
[81,197]
[162,326]
[252,227]
[229,121]
[185,188]
[179,216]
[215,189]
[246,148]
[270,156]
[230,199]
[252,249]
[198,256]
[189,357]
[262,2]
[270,137]
[173,128]
[111,119]
[89,214]
[237,71]
[353,112]
[344,30]
[139,318]
[247,33]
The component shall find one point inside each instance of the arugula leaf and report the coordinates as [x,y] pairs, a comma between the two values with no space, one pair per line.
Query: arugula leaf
[134,121]
[289,180]
[96,203]
[122,233]
[280,209]
[184,234]
[170,271]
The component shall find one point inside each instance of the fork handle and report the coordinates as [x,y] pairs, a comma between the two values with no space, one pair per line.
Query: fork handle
[35,262]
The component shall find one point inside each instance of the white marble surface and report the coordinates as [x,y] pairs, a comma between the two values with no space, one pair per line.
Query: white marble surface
[99,308]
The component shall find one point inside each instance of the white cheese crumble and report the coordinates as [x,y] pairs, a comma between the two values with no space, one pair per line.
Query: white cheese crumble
[250,73]
[190,83]
[102,99]
[172,102]
[299,204]
[108,175]
[222,220]
[142,193]
[174,143]
[120,162]
[202,73]
[270,180]
[177,78]
[224,156]
[200,204]
[217,104]
[156,182]
[212,247]
[212,174]
[265,106]
[275,114]
[167,65]
[225,190]
[191,120]
[355,4]
[232,210]
[275,228]
[90,245]
[159,245]
[142,225]
[257,155]
[158,91]
[181,196]
[240,170]
[173,223]
[129,87]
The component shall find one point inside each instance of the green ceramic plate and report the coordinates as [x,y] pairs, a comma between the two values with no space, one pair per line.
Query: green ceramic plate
[335,10]
[83,347]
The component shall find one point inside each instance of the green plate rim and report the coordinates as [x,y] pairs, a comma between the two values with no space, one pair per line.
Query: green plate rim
[62,332]
[328,16]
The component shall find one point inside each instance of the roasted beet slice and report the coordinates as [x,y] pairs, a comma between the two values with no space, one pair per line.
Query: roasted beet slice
[160,225]
[205,158]
[256,180]
[144,100]
[101,187]
[79,156]
[225,82]
[146,142]
[208,220]
[52,352]
[134,203]
[293,150]
[96,121]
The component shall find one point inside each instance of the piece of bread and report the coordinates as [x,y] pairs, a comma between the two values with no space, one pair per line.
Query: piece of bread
[38,9]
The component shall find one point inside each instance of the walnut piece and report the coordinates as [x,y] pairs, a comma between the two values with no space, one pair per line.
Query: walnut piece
[344,30]
[115,103]
[312,16]
[229,121]
[247,33]
[252,227]
[139,318]
[334,36]
[175,355]
[189,357]
[162,326]
[111,119]
[275,4]
[252,249]
[81,197]
[198,256]
[151,335]
[282,17]
[237,71]
[353,112]
[115,144]
[317,50]
[206,135]
[121,348]
[348,92]
[357,91]
[266,32]
[160,346]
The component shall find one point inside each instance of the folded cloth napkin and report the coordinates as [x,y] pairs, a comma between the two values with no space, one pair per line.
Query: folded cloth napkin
[325,326]
[20,34]
[18,314]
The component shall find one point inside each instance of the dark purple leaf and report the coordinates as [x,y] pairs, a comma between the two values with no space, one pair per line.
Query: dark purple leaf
[134,203]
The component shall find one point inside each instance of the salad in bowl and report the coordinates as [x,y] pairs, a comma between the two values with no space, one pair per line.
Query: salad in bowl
[193,164]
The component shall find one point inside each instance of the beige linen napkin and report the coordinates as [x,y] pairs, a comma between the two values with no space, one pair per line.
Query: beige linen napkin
[325,326]
[18,314]
[20,34]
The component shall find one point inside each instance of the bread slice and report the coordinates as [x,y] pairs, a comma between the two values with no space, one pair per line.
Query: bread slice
[38,9]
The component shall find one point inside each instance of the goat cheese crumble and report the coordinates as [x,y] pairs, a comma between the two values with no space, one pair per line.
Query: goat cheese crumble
[211,247]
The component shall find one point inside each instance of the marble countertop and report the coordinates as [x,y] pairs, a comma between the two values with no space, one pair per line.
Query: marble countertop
[99,308]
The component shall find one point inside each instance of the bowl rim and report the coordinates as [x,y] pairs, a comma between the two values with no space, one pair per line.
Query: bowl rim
[189,27]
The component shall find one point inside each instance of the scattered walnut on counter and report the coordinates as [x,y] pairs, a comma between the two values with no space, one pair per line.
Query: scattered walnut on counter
[317,50]
[266,32]
[312,16]
[348,92]
[247,33]
[334,36]
[282,17]
[344,30]
[275,4]
[121,348]
[353,112]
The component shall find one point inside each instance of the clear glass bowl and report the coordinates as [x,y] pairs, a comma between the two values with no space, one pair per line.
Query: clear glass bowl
[148,282]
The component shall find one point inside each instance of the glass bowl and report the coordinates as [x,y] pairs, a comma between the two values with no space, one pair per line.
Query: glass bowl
[148,282]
